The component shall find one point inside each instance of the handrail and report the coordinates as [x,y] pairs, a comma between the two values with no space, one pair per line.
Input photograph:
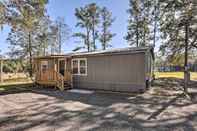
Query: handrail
[67,76]
[51,74]
[46,75]
[59,78]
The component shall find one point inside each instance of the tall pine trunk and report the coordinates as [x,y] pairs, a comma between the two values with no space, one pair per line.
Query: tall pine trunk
[88,38]
[93,33]
[155,26]
[186,73]
[144,40]
[44,51]
[60,39]
[1,71]
[104,38]
[137,33]
[30,56]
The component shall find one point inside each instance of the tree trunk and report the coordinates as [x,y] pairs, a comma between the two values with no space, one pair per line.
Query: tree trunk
[88,39]
[144,44]
[104,42]
[104,38]
[155,24]
[60,39]
[186,73]
[1,71]
[93,34]
[30,56]
[137,33]
[44,50]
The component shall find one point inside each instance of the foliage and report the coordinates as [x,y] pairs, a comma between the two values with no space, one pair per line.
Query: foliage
[42,36]
[2,13]
[94,12]
[23,16]
[89,19]
[175,16]
[63,32]
[105,35]
[139,23]
[13,66]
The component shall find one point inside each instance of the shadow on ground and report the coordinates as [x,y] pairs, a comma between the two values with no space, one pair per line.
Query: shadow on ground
[49,109]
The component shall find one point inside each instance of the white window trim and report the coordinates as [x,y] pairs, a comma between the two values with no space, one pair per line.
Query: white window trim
[86,66]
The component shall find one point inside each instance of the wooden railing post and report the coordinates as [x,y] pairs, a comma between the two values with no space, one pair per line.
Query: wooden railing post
[59,80]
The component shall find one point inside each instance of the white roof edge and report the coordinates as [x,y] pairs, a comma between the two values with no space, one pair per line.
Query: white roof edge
[113,50]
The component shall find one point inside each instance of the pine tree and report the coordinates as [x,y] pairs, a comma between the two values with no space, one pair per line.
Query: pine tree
[176,16]
[147,21]
[2,13]
[94,12]
[178,26]
[53,39]
[25,15]
[133,33]
[105,35]
[43,36]
[63,32]
[139,29]
[84,22]
[155,19]
[88,19]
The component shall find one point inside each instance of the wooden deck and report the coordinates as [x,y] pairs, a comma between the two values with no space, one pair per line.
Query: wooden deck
[51,77]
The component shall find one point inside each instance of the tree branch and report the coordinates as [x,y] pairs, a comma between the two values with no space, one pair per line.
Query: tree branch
[193,42]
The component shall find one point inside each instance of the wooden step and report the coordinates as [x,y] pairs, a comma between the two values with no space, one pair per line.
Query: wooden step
[67,85]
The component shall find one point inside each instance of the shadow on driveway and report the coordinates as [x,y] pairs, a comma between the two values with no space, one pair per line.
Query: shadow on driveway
[49,109]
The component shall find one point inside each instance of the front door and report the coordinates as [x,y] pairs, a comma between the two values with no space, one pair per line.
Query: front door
[62,67]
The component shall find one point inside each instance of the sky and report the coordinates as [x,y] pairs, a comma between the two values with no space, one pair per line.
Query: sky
[66,9]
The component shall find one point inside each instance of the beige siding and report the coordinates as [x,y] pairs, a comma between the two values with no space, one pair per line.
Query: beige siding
[115,72]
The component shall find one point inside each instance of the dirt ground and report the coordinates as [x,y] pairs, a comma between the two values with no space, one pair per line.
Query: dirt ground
[162,108]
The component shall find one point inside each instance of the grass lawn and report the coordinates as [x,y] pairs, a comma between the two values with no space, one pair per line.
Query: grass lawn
[14,87]
[179,75]
[15,84]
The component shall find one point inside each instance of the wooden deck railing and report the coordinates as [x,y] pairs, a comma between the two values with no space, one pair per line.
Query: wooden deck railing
[59,78]
[51,75]
[67,77]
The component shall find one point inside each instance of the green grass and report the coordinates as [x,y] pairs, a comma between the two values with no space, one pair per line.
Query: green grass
[179,75]
[16,84]
[9,88]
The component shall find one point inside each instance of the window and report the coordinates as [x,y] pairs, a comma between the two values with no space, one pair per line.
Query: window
[75,66]
[79,66]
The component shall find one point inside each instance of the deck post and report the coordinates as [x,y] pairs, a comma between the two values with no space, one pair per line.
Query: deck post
[1,71]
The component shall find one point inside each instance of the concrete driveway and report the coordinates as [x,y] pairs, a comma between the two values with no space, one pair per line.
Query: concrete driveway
[49,110]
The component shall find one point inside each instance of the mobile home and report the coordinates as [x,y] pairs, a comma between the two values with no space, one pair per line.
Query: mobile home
[124,70]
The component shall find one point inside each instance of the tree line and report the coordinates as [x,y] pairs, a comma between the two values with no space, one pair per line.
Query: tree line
[174,21]
[33,33]
[170,23]
[95,23]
